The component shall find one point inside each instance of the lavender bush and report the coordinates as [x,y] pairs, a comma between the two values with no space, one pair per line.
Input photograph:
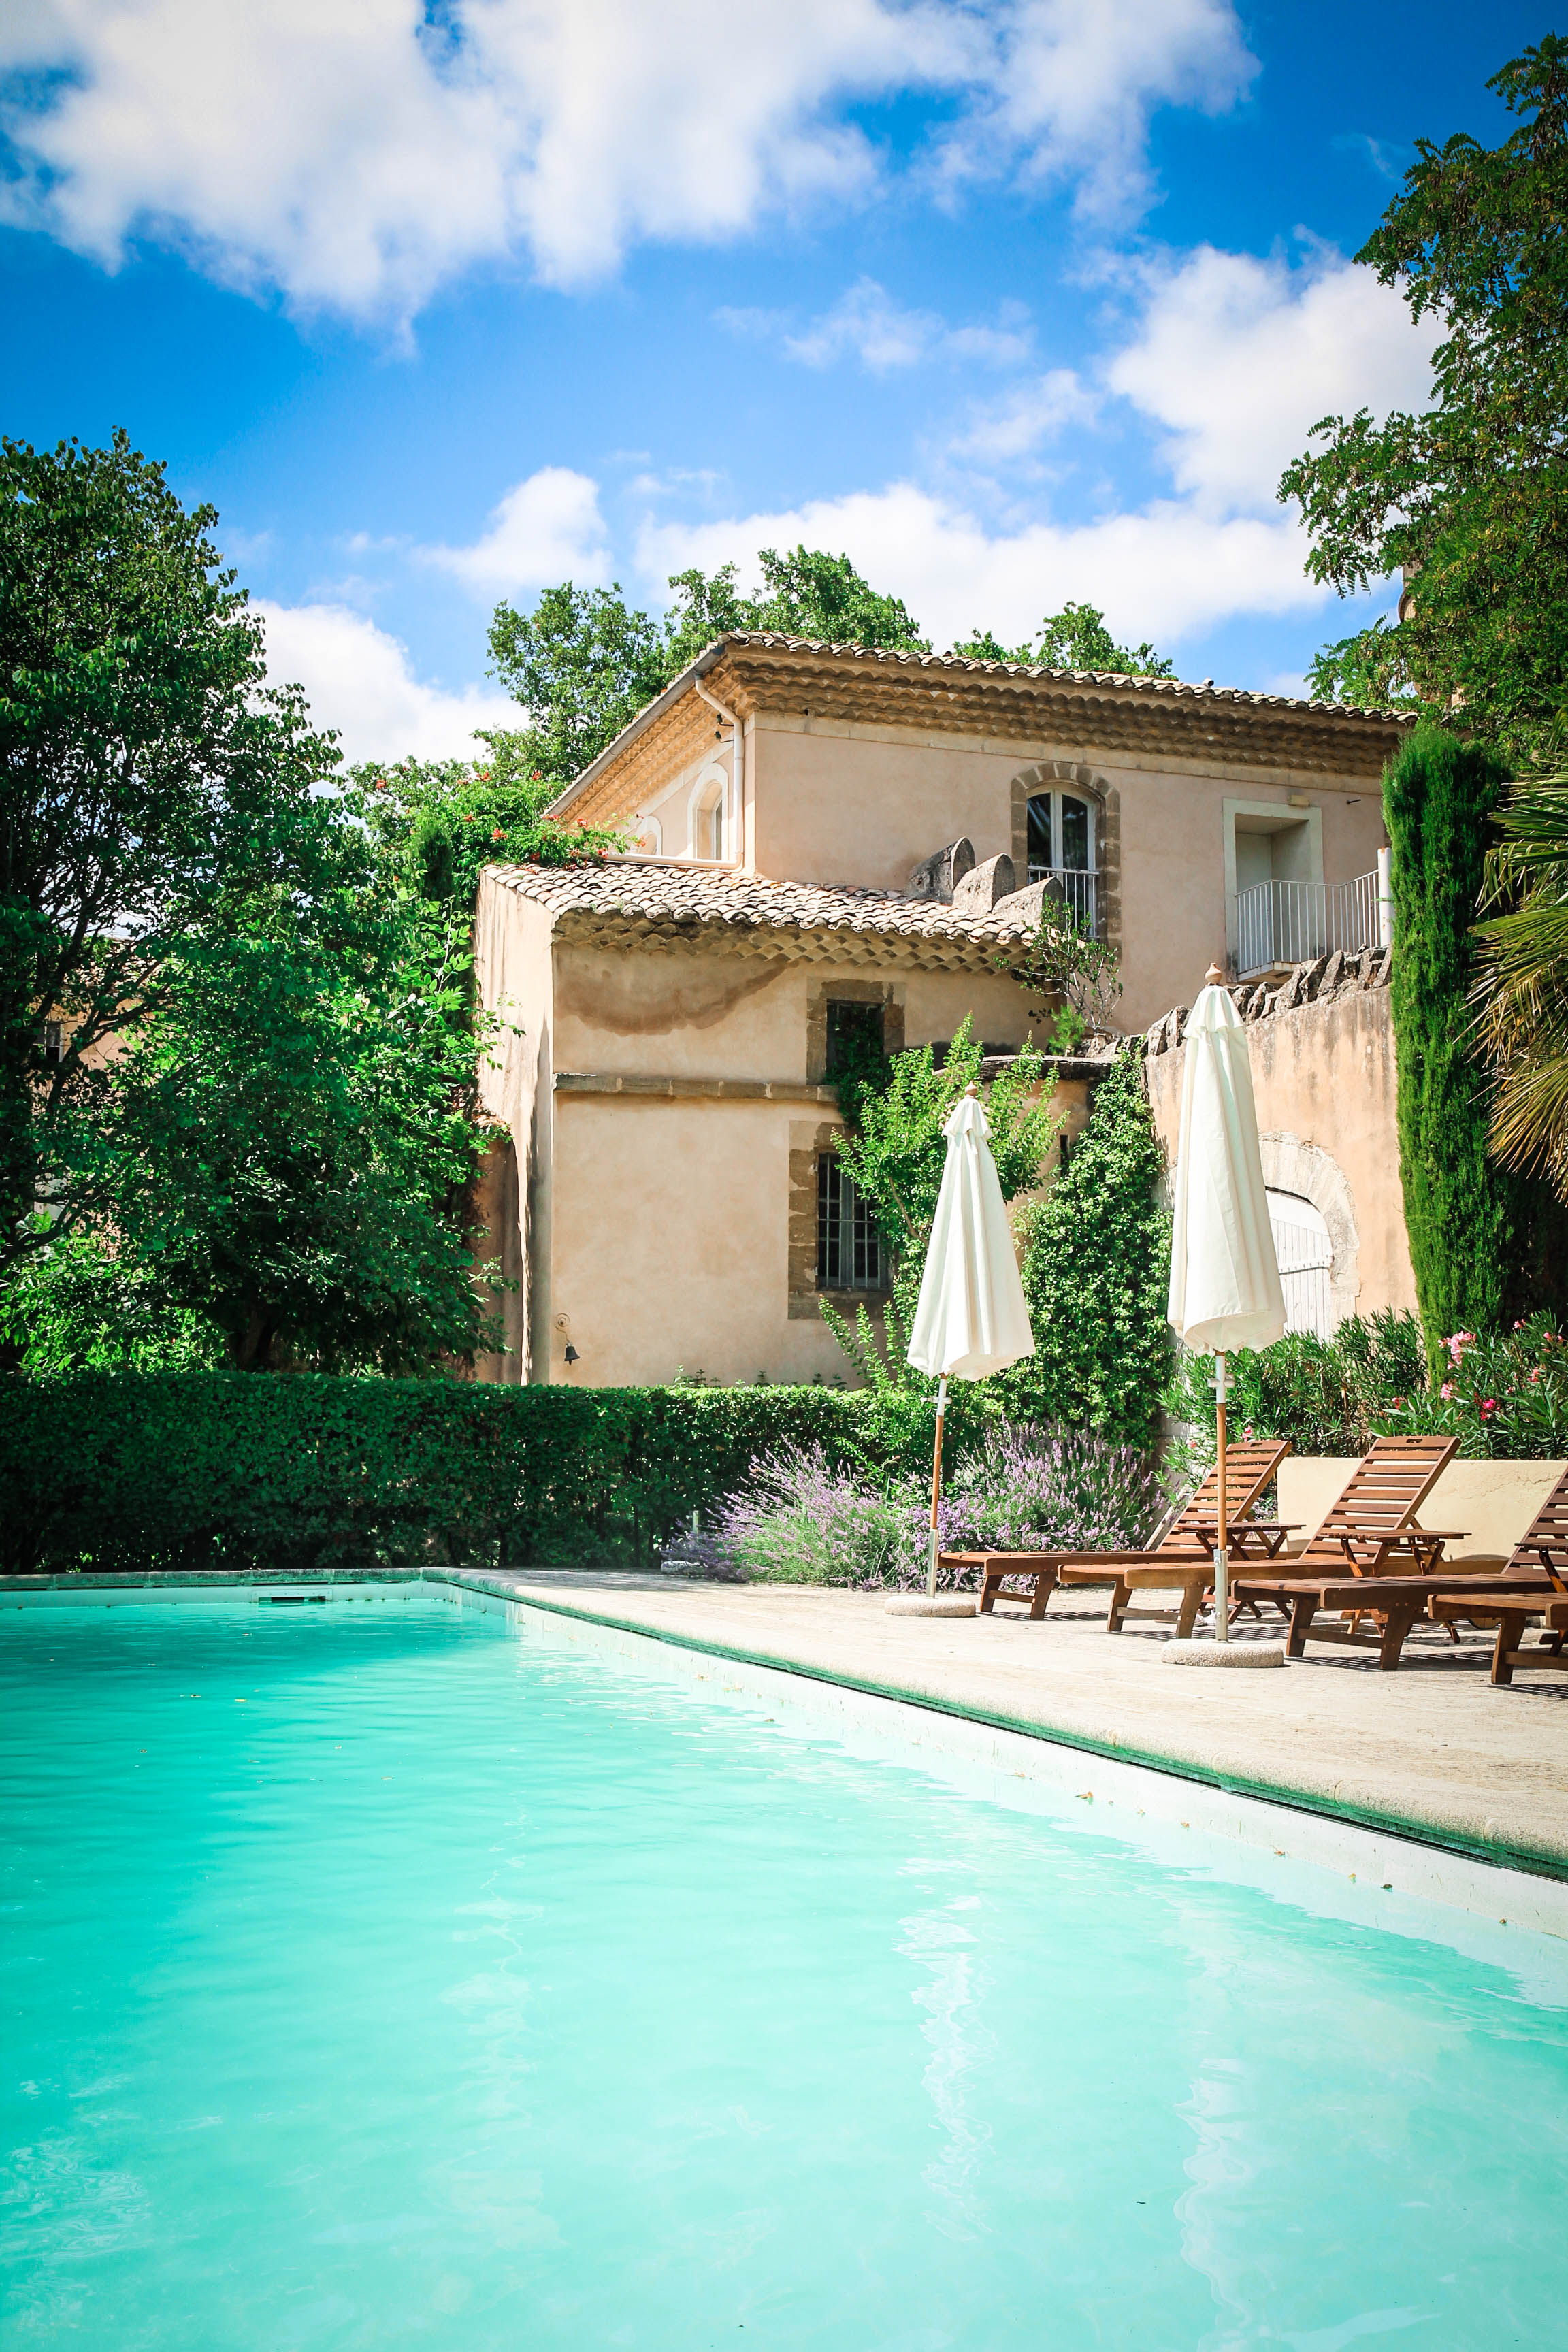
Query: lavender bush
[803,1520]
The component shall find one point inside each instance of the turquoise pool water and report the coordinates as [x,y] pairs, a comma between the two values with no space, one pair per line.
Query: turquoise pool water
[372,1979]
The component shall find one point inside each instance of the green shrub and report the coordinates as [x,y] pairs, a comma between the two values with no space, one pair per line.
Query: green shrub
[1097,1269]
[1327,1396]
[140,1472]
[1504,1396]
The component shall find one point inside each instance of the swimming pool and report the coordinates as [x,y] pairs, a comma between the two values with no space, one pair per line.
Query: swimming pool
[373,1978]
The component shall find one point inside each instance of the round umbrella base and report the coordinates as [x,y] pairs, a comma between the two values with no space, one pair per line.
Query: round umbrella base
[922,1604]
[1223,1654]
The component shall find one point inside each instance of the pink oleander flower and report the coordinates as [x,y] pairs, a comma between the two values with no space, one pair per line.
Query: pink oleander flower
[1489,1406]
[1446,1390]
[1535,1375]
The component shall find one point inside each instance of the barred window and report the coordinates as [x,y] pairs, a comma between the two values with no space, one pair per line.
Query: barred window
[849,1246]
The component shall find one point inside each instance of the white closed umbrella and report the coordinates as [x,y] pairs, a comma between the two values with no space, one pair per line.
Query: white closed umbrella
[1224,1276]
[971,1319]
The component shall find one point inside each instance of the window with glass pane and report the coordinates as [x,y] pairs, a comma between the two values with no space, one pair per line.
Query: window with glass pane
[1040,858]
[849,1246]
[1074,835]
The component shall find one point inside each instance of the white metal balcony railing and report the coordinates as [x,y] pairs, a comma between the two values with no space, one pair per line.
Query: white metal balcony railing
[1077,890]
[1291,922]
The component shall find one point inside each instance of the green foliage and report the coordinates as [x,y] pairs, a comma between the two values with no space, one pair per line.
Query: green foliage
[1504,1395]
[1325,1396]
[1096,1270]
[1470,498]
[1482,1239]
[1075,638]
[1523,980]
[583,664]
[215,1470]
[75,1305]
[1065,960]
[435,825]
[285,1148]
[147,774]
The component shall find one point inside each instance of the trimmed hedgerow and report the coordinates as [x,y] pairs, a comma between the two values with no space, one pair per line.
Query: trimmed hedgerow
[146,1472]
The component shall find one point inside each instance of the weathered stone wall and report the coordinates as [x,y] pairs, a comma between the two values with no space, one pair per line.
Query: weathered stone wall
[1322,1055]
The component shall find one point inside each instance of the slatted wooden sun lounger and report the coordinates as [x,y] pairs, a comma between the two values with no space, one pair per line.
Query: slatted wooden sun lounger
[1367,1543]
[1533,1583]
[1181,1560]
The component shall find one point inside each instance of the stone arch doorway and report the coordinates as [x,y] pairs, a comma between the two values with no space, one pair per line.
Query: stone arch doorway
[1306,1172]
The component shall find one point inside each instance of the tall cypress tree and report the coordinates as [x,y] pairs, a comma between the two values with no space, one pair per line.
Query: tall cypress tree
[1485,1245]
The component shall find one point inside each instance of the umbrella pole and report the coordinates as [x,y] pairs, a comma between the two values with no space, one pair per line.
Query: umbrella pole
[935,1488]
[1222,1549]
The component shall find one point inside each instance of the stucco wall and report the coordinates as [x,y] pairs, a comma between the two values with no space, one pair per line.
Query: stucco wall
[658,1225]
[1324,1080]
[1485,1507]
[834,802]
[657,1012]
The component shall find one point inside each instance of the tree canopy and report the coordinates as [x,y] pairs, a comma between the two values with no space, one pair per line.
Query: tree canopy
[584,662]
[1075,638]
[148,773]
[1469,499]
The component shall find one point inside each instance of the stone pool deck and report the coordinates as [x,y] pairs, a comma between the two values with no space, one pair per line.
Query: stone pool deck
[1433,1750]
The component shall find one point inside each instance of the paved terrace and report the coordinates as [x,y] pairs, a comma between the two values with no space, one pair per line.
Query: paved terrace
[1432,1749]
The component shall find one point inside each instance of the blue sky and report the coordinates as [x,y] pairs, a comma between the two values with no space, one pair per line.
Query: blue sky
[1014,303]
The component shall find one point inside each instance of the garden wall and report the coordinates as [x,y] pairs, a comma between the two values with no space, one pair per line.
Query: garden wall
[1493,1502]
[1322,1055]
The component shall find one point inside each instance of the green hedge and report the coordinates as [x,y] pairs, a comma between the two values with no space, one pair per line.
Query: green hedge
[154,1471]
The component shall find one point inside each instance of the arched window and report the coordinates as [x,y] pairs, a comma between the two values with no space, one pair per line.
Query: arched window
[1061,847]
[708,817]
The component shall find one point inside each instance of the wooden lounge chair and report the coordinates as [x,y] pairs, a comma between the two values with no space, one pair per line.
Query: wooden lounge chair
[1182,1559]
[1533,1583]
[1368,1558]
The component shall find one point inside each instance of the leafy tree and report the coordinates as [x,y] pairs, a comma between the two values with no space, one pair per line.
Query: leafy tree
[1482,1239]
[1469,499]
[147,771]
[285,1148]
[78,1305]
[1074,638]
[583,664]
[809,594]
[1096,1267]
[435,825]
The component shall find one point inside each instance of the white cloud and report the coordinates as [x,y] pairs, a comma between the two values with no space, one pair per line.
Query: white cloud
[357,679]
[1239,358]
[546,528]
[867,324]
[1073,83]
[356,154]
[1003,430]
[1162,573]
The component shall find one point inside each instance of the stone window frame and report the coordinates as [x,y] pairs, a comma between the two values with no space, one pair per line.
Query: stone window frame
[1071,775]
[808,1144]
[888,993]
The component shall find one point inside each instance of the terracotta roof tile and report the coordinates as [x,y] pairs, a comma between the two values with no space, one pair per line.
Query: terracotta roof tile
[655,896]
